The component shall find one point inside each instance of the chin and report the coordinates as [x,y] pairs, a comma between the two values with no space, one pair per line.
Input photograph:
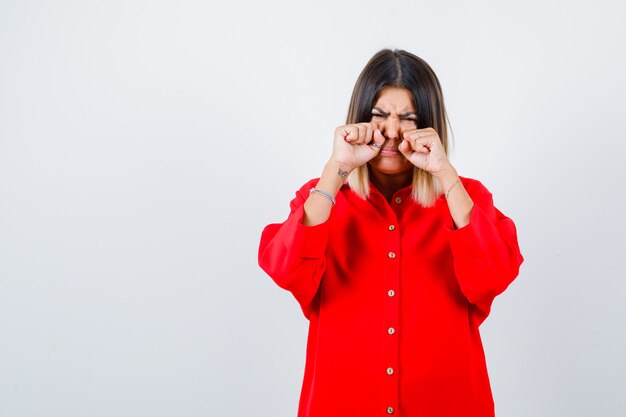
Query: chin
[391,166]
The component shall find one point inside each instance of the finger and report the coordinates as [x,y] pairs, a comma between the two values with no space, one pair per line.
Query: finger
[406,149]
[414,157]
[362,133]
[421,142]
[407,134]
[417,144]
[422,133]
[378,140]
[369,130]
[425,131]
[412,144]
[351,133]
[416,134]
[375,126]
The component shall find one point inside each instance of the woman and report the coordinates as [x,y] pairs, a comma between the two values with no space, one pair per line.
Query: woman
[394,258]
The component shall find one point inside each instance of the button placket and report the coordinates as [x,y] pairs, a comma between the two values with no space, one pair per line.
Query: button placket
[392,312]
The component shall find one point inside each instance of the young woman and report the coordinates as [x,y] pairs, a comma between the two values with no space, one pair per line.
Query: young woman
[394,258]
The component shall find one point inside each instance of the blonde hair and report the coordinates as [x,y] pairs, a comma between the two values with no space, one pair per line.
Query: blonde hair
[401,69]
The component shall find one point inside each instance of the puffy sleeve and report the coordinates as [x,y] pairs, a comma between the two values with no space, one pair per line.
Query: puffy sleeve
[486,253]
[293,254]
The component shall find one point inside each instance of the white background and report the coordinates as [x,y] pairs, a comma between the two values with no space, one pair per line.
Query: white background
[145,144]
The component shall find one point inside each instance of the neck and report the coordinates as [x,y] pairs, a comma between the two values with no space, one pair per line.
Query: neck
[388,184]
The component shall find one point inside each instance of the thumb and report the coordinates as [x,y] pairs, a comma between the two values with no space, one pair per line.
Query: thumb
[405,149]
[414,157]
[379,139]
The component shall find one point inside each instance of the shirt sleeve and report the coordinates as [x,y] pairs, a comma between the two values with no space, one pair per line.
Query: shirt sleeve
[486,252]
[293,254]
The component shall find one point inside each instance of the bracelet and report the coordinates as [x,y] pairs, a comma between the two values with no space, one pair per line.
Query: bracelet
[324,193]
[457,181]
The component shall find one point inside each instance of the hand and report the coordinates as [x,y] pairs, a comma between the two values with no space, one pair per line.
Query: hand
[424,149]
[355,144]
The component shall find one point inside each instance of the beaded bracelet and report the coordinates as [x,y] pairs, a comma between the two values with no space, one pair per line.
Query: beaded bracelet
[457,181]
[324,193]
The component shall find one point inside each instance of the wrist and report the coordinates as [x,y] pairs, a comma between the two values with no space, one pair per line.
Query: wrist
[333,177]
[344,166]
[338,168]
[447,177]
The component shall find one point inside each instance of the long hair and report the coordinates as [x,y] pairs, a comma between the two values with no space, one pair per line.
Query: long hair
[398,68]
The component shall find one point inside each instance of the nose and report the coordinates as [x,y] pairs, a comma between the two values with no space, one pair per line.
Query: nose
[390,128]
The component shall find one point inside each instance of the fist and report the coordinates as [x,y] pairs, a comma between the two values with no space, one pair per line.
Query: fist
[355,144]
[424,149]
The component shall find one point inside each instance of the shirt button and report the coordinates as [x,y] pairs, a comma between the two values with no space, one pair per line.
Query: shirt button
[391,255]
[392,228]
[391,293]
[389,410]
[391,330]
[398,200]
[389,371]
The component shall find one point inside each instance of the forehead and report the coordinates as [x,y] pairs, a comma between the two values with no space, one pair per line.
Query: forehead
[396,99]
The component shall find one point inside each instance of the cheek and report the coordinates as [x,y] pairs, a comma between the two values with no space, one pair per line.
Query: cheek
[408,125]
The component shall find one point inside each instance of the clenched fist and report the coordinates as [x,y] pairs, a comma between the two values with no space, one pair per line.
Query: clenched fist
[424,149]
[355,144]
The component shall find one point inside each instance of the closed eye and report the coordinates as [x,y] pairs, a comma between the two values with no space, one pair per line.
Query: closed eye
[382,116]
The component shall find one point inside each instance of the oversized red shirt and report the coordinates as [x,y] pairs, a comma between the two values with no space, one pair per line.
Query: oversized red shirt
[394,295]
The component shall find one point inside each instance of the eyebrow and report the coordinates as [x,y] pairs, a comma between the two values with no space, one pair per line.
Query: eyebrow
[384,113]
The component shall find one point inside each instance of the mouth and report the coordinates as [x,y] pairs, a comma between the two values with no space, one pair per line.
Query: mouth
[389,152]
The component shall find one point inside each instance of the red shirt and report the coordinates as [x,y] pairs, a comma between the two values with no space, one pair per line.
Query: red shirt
[394,294]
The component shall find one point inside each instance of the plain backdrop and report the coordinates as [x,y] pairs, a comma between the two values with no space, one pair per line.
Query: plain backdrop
[145,144]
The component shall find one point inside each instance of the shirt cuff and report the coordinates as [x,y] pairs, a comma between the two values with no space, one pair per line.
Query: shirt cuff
[306,241]
[474,239]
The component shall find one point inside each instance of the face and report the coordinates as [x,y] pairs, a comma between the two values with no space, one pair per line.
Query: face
[393,113]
